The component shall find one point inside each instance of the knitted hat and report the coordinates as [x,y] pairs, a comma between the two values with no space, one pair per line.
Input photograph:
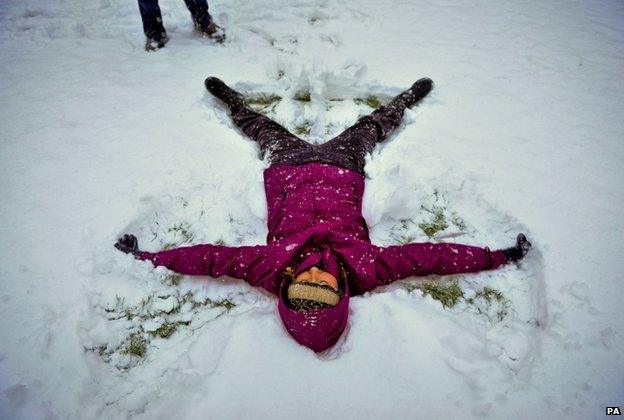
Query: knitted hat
[304,295]
[318,329]
[315,327]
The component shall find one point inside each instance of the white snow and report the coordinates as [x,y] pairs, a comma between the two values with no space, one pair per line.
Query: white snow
[523,132]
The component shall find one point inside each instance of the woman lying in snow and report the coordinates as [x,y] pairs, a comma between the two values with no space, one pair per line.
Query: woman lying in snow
[318,252]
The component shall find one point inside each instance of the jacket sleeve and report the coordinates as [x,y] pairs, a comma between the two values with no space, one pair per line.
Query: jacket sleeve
[211,260]
[420,259]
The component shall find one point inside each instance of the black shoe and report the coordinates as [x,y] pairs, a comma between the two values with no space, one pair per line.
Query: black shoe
[212,31]
[220,90]
[411,96]
[156,41]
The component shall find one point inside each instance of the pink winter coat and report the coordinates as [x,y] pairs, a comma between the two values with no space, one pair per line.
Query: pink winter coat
[315,218]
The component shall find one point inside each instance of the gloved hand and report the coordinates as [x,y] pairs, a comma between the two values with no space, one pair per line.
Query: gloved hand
[128,244]
[518,252]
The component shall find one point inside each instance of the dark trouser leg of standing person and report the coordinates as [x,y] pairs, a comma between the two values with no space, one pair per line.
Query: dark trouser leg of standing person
[152,19]
[199,12]
[349,148]
[203,21]
[156,36]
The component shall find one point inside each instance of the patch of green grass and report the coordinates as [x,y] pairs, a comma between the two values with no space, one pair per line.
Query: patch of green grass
[436,224]
[448,295]
[166,330]
[136,345]
[174,279]
[437,221]
[181,230]
[410,287]
[100,350]
[303,129]
[137,341]
[489,297]
[433,219]
[128,314]
[488,302]
[262,100]
[225,303]
[371,101]
[401,233]
[302,96]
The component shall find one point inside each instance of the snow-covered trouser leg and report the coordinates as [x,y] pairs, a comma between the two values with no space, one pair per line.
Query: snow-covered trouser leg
[281,145]
[389,117]
[152,19]
[199,12]
[349,148]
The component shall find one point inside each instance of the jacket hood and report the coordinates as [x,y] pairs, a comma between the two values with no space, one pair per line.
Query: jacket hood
[323,259]
[318,329]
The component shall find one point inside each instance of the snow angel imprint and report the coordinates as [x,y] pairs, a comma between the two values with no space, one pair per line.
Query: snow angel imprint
[318,252]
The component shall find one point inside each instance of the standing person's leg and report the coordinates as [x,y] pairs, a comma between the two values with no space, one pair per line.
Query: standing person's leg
[152,24]
[349,148]
[274,139]
[199,12]
[203,21]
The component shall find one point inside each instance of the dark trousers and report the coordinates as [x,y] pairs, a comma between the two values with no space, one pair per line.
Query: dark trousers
[152,19]
[347,150]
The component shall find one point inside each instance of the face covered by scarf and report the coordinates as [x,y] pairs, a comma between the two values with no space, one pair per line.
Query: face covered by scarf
[313,289]
[317,326]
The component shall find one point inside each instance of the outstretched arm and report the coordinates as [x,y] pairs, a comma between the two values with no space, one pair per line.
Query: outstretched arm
[421,259]
[209,260]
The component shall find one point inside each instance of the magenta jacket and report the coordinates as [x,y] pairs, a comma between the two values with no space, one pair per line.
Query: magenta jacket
[315,218]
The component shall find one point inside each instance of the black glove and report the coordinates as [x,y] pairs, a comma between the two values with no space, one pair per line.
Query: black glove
[128,244]
[518,252]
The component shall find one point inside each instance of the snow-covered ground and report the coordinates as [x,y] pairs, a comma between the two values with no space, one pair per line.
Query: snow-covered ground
[523,132]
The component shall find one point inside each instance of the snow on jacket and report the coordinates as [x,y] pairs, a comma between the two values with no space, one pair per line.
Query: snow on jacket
[315,218]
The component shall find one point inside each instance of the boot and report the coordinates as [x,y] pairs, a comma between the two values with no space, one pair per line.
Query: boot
[156,41]
[411,96]
[226,94]
[212,31]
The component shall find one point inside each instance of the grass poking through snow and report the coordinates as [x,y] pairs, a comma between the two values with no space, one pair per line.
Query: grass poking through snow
[156,316]
[448,295]
[488,301]
[302,96]
[371,101]
[303,129]
[136,345]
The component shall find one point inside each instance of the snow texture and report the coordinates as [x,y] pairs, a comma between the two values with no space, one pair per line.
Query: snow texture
[522,132]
